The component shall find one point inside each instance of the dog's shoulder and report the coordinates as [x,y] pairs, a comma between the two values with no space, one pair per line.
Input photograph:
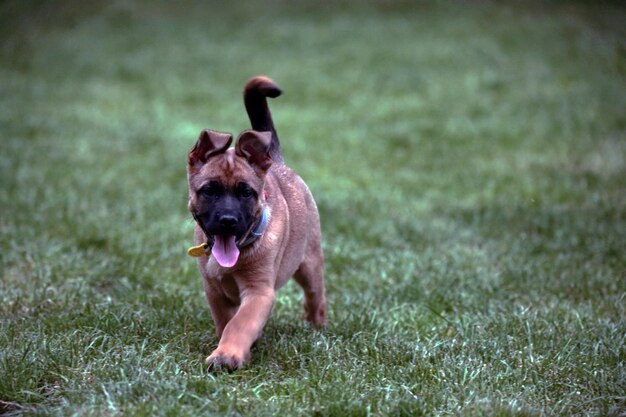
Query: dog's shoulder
[287,178]
[292,188]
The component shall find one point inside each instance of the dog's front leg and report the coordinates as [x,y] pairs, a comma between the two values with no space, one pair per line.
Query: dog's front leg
[243,329]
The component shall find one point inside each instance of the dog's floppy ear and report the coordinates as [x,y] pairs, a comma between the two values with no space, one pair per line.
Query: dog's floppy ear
[255,147]
[209,143]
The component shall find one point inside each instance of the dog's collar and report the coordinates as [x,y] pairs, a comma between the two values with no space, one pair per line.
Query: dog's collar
[258,230]
[255,233]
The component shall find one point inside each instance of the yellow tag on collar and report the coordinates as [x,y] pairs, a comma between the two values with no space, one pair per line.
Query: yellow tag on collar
[197,251]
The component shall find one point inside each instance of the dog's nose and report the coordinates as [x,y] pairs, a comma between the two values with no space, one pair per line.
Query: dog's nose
[227,220]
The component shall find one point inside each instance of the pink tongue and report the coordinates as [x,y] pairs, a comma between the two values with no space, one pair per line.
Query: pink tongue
[225,251]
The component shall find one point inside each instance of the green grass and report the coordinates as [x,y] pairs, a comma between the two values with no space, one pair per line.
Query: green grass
[468,160]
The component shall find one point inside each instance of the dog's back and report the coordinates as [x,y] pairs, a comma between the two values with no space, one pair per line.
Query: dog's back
[299,201]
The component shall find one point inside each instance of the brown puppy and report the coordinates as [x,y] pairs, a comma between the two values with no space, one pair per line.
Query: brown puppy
[258,226]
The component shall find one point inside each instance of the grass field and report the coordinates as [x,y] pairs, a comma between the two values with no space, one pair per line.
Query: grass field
[468,160]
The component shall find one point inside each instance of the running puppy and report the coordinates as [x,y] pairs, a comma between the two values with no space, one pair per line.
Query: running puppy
[257,225]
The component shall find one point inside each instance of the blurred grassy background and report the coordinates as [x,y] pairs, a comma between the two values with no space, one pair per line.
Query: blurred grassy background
[468,160]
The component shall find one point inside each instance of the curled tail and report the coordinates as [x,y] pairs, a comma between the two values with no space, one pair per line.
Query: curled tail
[255,95]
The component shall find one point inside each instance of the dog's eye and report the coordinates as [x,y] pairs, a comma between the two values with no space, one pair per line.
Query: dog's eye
[212,189]
[244,190]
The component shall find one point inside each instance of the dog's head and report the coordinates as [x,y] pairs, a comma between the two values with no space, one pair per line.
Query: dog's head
[226,187]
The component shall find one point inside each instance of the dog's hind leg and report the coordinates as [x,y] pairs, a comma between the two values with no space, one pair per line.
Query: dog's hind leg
[310,276]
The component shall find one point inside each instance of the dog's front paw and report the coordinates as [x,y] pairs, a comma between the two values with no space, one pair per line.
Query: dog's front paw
[226,358]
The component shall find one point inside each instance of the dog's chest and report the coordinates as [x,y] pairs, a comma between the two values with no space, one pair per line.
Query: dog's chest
[228,287]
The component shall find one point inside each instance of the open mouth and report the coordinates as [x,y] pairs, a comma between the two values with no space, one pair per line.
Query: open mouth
[225,250]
